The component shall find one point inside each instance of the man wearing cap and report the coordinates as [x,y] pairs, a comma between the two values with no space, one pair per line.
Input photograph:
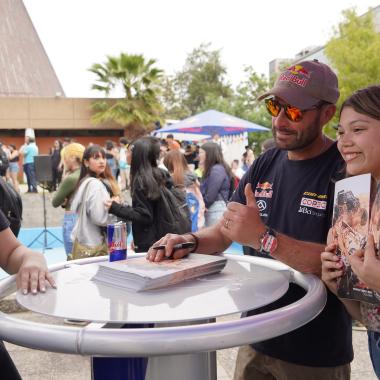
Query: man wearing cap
[72,158]
[282,209]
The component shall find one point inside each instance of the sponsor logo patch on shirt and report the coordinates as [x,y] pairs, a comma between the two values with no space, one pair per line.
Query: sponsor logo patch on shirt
[310,201]
[264,190]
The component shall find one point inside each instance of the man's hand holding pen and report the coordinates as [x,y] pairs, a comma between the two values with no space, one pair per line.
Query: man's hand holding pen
[171,246]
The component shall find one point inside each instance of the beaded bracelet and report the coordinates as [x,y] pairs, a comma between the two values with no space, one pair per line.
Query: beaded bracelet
[196,241]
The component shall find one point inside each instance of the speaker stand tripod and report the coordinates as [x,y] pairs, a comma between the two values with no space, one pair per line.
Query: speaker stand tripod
[45,231]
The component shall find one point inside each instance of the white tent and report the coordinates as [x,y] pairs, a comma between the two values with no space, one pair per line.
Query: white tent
[182,136]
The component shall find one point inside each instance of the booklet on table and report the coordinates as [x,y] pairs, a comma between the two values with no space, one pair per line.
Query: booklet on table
[139,274]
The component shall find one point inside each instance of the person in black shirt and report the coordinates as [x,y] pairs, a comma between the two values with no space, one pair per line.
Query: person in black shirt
[55,154]
[282,209]
[32,275]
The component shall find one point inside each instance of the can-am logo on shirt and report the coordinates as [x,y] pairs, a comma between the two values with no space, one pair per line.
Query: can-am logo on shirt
[264,190]
[320,205]
[314,201]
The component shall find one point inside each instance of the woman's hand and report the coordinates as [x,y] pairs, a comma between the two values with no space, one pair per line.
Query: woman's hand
[366,265]
[33,274]
[332,268]
[108,203]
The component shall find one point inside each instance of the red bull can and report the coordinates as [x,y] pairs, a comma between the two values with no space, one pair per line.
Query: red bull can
[117,241]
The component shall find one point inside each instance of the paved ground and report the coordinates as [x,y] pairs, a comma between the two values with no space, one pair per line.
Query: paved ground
[38,365]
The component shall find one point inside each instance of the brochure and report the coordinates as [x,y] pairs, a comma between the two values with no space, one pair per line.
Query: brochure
[350,227]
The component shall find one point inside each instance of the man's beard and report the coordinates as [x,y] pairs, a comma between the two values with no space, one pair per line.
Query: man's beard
[302,139]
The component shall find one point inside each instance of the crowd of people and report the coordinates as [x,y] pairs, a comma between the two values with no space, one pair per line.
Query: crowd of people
[221,197]
[200,172]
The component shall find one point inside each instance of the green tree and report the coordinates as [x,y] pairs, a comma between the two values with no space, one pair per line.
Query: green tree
[140,82]
[171,100]
[249,108]
[354,52]
[202,77]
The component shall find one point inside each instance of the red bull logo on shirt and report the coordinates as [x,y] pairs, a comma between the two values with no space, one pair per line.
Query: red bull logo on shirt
[298,75]
[264,190]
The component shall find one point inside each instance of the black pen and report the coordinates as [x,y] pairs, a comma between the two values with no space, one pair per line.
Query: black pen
[188,244]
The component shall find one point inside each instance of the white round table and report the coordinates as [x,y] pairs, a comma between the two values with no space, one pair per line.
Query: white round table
[246,283]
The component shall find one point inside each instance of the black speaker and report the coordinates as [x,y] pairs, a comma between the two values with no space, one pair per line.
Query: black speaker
[43,168]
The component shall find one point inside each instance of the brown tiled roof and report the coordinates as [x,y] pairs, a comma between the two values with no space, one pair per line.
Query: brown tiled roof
[25,69]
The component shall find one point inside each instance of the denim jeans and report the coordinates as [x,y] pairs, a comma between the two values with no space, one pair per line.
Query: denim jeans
[30,176]
[374,350]
[214,213]
[193,204]
[69,220]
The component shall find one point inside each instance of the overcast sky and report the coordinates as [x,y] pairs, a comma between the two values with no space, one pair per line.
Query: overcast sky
[78,33]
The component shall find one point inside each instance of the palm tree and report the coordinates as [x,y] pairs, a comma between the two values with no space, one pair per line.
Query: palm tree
[140,108]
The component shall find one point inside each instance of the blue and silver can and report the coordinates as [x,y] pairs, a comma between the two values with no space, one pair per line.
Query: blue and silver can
[117,241]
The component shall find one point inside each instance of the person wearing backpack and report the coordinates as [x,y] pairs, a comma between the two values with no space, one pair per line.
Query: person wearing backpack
[216,182]
[155,202]
[156,210]
[182,177]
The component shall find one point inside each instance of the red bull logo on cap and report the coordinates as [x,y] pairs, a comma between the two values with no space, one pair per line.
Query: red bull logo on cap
[264,190]
[298,75]
[298,69]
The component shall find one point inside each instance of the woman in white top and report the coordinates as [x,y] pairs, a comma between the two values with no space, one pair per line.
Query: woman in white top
[96,185]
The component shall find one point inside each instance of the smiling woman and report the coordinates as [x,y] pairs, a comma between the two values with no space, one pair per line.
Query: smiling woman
[358,142]
[359,133]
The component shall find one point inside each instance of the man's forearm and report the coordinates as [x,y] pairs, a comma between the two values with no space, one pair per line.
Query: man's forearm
[300,255]
[211,240]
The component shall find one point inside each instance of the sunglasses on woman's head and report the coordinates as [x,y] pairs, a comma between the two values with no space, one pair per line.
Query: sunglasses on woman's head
[294,114]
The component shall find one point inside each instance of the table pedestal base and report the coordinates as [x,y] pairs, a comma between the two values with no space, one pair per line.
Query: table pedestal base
[201,366]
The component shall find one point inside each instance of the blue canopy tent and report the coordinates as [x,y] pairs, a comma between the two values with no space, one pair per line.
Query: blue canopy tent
[213,122]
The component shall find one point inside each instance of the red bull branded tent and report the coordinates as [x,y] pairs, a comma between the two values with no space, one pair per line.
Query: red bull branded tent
[212,122]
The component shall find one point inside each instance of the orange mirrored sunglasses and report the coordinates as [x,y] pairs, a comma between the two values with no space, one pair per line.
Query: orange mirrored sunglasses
[294,114]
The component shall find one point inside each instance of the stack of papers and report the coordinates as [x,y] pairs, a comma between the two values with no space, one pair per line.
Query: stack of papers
[140,274]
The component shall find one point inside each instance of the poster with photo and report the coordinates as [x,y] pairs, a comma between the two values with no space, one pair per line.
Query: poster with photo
[350,227]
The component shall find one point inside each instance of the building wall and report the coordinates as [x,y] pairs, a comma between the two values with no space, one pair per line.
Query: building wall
[52,118]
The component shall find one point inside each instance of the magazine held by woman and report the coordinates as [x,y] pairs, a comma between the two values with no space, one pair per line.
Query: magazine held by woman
[351,224]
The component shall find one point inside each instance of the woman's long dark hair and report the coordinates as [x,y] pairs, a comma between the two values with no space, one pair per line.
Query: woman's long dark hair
[145,175]
[94,151]
[214,155]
